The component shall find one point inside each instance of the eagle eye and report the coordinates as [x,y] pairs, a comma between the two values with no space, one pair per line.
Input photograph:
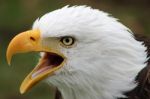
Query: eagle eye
[67,41]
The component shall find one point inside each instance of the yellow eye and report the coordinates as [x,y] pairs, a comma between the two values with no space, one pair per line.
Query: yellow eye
[67,41]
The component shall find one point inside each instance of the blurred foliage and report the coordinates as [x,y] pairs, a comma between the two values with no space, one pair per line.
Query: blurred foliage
[18,15]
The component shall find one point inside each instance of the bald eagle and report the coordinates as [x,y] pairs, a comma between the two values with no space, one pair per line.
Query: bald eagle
[86,54]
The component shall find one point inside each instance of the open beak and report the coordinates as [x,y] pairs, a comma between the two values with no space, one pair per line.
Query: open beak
[51,61]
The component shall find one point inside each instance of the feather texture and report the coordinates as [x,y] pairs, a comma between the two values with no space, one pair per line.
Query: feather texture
[142,91]
[105,60]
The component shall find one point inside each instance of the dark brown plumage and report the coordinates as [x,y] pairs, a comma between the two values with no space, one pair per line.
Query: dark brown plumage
[58,94]
[142,91]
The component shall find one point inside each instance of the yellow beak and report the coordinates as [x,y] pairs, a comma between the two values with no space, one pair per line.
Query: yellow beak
[26,42]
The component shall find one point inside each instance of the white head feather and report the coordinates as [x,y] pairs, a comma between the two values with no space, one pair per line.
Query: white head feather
[105,60]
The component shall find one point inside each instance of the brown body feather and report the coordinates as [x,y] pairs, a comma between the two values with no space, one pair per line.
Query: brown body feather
[142,91]
[58,94]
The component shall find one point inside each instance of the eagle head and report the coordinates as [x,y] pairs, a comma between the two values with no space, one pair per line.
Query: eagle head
[85,53]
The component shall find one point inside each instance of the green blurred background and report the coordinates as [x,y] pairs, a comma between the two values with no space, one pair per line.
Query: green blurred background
[18,15]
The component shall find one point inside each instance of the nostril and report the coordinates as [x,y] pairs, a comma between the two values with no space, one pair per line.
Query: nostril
[32,38]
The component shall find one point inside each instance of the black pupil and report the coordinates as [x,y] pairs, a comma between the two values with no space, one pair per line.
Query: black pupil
[67,40]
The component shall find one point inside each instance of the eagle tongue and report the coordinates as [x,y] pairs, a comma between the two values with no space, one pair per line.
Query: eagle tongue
[40,71]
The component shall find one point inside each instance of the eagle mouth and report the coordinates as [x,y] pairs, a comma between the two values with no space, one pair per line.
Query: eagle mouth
[47,62]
